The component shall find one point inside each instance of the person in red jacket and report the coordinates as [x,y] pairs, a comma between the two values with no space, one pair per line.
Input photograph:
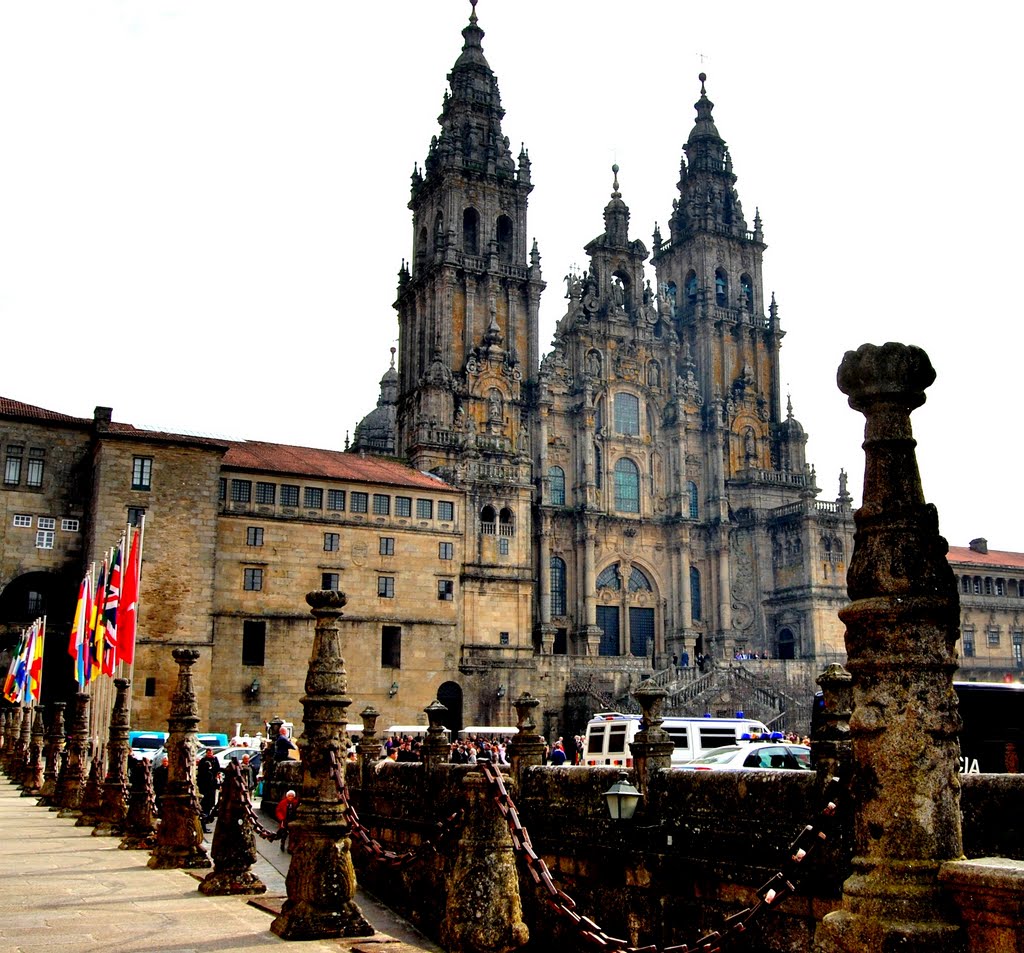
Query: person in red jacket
[287,808]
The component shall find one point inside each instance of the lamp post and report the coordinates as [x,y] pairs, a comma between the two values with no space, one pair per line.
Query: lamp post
[622,798]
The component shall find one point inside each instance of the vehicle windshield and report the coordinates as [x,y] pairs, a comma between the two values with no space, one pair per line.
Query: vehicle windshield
[718,756]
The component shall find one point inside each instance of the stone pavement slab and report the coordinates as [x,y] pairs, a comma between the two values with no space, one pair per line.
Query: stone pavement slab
[64,891]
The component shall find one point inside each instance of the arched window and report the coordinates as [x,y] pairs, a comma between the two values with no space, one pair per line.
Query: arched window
[786,648]
[747,291]
[471,231]
[691,489]
[627,486]
[721,289]
[556,483]
[487,521]
[691,288]
[505,233]
[506,522]
[695,601]
[627,414]
[609,578]
[557,586]
[638,581]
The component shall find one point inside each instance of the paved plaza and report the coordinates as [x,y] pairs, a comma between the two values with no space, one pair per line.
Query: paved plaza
[64,891]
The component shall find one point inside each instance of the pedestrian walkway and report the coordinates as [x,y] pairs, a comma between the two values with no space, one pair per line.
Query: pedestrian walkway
[64,891]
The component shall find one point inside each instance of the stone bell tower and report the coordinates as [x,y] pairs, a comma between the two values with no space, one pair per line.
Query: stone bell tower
[468,332]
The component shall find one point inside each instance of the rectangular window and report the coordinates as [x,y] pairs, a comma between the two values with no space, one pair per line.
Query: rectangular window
[44,539]
[445,590]
[21,519]
[386,587]
[1018,649]
[968,643]
[403,506]
[329,580]
[391,646]
[142,473]
[34,477]
[313,498]
[254,536]
[503,638]
[1000,587]
[993,636]
[289,494]
[150,690]
[252,580]
[34,603]
[381,504]
[254,642]
[69,526]
[222,489]
[332,542]
[503,546]
[445,550]
[336,500]
[46,522]
[627,414]
[266,493]
[241,491]
[387,545]
[12,466]
[135,514]
[424,509]
[359,502]
[445,510]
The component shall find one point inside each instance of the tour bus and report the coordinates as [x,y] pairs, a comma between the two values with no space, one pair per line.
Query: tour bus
[992,737]
[609,734]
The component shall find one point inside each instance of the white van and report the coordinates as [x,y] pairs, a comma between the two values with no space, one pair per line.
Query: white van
[609,734]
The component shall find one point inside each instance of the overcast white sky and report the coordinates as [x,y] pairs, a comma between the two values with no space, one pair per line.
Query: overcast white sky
[203,204]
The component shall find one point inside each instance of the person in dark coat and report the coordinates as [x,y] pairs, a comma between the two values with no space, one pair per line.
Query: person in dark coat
[160,783]
[207,780]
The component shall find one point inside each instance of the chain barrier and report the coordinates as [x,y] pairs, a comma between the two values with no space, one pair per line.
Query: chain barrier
[234,777]
[780,886]
[443,830]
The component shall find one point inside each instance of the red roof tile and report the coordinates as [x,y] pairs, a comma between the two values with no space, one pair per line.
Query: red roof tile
[15,408]
[994,557]
[329,464]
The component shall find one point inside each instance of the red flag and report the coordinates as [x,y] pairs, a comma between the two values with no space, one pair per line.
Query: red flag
[128,607]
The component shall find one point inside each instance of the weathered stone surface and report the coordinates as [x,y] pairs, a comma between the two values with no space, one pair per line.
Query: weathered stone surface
[234,842]
[114,798]
[71,781]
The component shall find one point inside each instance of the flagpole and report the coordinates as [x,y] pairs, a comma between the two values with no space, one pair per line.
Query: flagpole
[141,531]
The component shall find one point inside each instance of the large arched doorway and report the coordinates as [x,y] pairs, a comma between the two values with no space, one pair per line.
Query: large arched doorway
[786,646]
[626,599]
[449,694]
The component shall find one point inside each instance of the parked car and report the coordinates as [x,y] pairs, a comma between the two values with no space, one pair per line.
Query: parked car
[237,753]
[145,744]
[756,755]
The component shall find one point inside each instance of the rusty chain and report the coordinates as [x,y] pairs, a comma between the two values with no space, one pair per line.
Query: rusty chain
[443,829]
[780,886]
[233,776]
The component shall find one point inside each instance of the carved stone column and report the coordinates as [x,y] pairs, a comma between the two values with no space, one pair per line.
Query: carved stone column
[92,794]
[71,782]
[12,729]
[114,796]
[436,746]
[21,749]
[54,746]
[901,632]
[526,747]
[652,746]
[179,839]
[321,879]
[368,749]
[234,842]
[32,783]
[140,824]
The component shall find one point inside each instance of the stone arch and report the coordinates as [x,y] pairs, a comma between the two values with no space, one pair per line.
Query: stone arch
[449,694]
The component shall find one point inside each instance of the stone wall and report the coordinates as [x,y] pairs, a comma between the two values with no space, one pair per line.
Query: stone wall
[699,847]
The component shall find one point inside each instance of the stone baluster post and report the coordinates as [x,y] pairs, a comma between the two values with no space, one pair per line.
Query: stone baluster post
[33,781]
[526,747]
[179,839]
[114,795]
[234,842]
[652,746]
[71,782]
[21,750]
[140,823]
[5,717]
[436,746]
[92,794]
[368,748]
[321,879]
[54,749]
[831,751]
[901,631]
[12,728]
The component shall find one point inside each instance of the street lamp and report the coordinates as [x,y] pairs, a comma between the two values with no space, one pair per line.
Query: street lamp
[393,690]
[622,798]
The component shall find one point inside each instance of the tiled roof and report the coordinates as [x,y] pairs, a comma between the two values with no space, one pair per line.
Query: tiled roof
[994,557]
[328,464]
[15,408]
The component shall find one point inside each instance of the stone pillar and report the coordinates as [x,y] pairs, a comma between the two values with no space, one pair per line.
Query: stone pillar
[71,781]
[652,746]
[12,730]
[321,879]
[901,631]
[234,842]
[368,749]
[179,839]
[21,747]
[140,824]
[92,794]
[526,748]
[831,751]
[484,913]
[436,745]
[114,796]
[33,780]
[54,747]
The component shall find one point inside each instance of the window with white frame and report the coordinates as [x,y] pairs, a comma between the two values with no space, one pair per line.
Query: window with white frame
[142,473]
[44,539]
[69,526]
[46,522]
[21,519]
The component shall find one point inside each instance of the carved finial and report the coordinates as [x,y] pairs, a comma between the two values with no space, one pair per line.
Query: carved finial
[789,406]
[393,349]
[702,77]
[615,182]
